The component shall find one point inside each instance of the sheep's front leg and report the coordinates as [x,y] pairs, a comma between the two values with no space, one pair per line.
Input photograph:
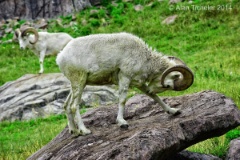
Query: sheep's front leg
[123,89]
[166,108]
[41,59]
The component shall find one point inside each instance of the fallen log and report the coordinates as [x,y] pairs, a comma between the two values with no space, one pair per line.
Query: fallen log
[152,134]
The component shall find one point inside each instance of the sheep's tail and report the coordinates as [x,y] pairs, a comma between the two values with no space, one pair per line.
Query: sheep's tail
[60,61]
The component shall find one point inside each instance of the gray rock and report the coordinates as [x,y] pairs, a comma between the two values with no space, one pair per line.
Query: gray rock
[33,9]
[93,12]
[34,96]
[170,19]
[152,134]
[177,1]
[2,33]
[234,150]
[8,30]
[41,24]
[187,155]
[138,7]
[174,1]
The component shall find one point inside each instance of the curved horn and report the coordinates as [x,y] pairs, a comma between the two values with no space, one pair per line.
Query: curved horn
[177,60]
[31,30]
[180,84]
[17,33]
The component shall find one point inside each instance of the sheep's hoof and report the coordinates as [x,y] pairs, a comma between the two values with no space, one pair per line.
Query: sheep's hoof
[75,132]
[124,126]
[175,113]
[85,132]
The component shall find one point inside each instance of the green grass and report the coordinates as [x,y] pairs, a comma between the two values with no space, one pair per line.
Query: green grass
[14,63]
[207,40]
[18,140]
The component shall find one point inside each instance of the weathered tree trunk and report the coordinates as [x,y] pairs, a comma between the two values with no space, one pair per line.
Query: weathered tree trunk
[152,134]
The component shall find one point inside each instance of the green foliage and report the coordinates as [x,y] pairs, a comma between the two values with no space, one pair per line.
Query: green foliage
[116,11]
[105,2]
[19,139]
[216,146]
[85,30]
[94,22]
[14,63]
[119,20]
[141,1]
[102,13]
[235,133]
[66,19]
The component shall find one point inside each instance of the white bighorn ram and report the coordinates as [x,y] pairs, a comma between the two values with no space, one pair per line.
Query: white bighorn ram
[41,43]
[121,59]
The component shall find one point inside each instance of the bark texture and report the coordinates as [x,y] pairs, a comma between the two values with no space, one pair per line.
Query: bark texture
[152,134]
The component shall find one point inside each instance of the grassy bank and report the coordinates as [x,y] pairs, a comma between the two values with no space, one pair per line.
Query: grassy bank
[206,39]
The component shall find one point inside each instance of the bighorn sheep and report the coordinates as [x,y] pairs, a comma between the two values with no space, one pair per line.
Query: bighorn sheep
[122,59]
[42,43]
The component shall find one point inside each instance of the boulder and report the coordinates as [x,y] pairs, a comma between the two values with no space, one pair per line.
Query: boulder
[138,8]
[152,133]
[38,95]
[174,1]
[170,20]
[234,150]
[33,9]
[187,155]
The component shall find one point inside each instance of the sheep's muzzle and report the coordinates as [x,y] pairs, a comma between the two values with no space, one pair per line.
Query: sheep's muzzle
[180,84]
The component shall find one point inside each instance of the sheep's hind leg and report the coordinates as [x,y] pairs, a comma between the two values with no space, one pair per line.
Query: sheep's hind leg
[78,85]
[79,121]
[70,115]
[123,89]
[78,80]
